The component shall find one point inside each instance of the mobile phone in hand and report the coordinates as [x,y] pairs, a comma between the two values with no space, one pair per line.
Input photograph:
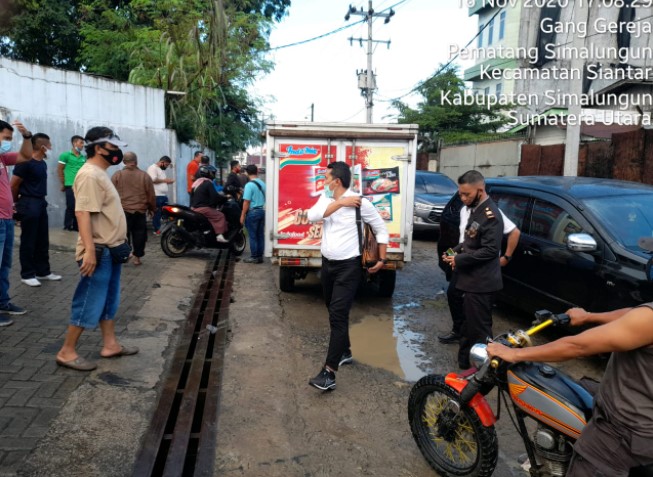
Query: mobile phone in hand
[450,252]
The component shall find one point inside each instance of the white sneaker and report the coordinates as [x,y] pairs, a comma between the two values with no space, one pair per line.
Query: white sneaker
[32,282]
[52,277]
[220,238]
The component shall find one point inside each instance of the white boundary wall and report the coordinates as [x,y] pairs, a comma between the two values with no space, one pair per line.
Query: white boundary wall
[63,103]
[492,159]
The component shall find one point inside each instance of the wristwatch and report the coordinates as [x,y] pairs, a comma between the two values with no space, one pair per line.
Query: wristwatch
[28,135]
[384,260]
[507,257]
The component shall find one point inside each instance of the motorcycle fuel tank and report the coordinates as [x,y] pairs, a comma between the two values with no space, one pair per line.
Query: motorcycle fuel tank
[550,396]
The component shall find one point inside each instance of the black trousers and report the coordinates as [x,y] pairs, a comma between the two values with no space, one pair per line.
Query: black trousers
[137,232]
[340,280]
[34,238]
[455,298]
[69,220]
[477,326]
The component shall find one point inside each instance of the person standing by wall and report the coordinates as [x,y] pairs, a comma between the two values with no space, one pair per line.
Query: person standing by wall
[476,263]
[157,173]
[191,170]
[102,224]
[232,185]
[69,163]
[8,158]
[253,214]
[137,198]
[341,261]
[29,187]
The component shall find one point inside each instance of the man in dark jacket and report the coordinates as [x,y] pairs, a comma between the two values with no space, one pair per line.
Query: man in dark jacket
[476,261]
[233,186]
[204,199]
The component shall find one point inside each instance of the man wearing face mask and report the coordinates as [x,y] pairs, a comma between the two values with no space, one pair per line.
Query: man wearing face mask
[8,158]
[341,261]
[102,226]
[476,263]
[29,187]
[157,173]
[69,164]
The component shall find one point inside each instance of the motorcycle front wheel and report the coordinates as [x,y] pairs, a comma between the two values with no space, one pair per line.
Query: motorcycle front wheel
[239,243]
[172,243]
[453,443]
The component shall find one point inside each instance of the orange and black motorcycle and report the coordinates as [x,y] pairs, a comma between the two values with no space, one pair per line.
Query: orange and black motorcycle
[453,424]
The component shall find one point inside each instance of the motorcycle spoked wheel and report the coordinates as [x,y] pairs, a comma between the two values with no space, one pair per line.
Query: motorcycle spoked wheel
[466,448]
[173,244]
[239,243]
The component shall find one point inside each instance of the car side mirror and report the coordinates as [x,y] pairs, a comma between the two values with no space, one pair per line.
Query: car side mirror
[581,243]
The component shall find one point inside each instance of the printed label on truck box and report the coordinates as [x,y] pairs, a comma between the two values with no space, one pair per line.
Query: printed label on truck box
[301,181]
[380,183]
[302,173]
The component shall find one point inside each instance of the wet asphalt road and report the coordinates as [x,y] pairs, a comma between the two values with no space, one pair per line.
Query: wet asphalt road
[400,335]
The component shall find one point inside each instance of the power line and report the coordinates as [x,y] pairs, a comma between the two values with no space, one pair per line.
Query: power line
[302,42]
[441,69]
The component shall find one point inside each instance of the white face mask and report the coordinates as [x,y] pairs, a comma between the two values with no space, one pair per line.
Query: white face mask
[5,147]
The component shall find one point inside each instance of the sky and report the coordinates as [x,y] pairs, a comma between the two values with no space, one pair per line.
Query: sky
[323,72]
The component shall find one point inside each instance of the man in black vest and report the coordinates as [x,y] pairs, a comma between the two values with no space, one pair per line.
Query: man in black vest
[476,261]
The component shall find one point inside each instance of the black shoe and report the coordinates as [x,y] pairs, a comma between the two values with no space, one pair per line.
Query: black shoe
[451,337]
[252,260]
[325,380]
[346,358]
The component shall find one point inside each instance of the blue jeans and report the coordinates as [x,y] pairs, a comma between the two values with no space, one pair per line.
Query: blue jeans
[6,254]
[97,297]
[255,223]
[161,200]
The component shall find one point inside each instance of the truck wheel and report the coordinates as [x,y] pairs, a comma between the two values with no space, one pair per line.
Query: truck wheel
[387,280]
[286,279]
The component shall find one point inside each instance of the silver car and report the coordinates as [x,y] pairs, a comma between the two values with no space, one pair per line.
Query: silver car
[432,192]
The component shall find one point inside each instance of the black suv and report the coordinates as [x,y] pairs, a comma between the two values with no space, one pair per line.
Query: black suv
[578,244]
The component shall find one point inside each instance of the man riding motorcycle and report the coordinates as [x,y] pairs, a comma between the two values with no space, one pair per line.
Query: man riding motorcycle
[204,199]
[619,435]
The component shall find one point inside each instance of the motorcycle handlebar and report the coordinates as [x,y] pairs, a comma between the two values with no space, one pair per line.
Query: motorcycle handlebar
[551,320]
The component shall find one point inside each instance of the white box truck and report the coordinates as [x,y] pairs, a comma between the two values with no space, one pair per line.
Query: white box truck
[382,158]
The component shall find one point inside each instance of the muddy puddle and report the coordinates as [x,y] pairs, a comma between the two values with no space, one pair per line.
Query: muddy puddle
[386,341]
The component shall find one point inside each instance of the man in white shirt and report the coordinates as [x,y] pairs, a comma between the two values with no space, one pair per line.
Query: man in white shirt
[157,173]
[455,296]
[341,261]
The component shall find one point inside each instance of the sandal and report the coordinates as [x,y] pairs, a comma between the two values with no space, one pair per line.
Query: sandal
[124,351]
[79,364]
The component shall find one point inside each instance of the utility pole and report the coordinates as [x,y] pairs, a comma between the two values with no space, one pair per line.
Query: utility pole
[312,112]
[572,142]
[366,78]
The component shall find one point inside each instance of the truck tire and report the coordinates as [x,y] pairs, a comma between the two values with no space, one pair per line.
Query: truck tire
[387,280]
[286,279]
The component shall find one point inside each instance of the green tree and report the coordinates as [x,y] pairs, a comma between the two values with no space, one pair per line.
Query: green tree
[439,120]
[41,31]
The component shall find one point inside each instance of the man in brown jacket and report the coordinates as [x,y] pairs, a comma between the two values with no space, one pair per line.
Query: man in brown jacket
[136,191]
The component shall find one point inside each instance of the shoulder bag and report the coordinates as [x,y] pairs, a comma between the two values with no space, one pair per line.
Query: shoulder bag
[367,244]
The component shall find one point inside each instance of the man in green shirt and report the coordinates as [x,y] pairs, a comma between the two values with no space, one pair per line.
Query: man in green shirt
[69,163]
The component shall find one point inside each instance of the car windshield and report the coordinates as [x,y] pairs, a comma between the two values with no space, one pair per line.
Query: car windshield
[434,184]
[627,218]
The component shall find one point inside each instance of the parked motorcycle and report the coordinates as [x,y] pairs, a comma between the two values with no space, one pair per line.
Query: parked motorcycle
[453,424]
[184,229]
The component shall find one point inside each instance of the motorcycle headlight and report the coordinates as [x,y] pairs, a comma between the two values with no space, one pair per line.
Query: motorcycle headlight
[478,355]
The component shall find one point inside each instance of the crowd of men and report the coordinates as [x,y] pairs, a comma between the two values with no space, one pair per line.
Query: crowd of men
[23,201]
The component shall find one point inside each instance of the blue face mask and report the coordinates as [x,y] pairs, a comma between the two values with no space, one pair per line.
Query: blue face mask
[5,147]
[328,193]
